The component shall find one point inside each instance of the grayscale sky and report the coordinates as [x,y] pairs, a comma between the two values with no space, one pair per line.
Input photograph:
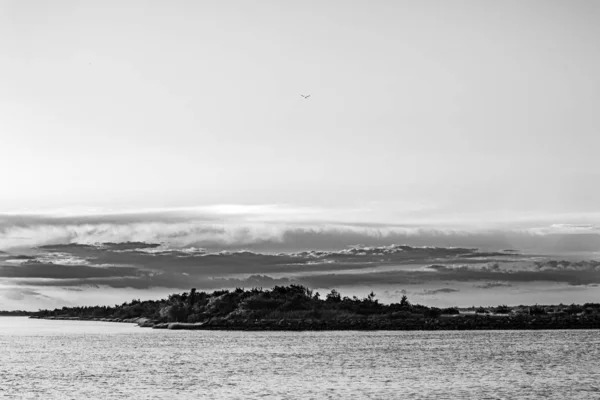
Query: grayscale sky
[463,106]
[451,123]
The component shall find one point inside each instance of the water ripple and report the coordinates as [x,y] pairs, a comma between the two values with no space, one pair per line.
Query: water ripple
[75,360]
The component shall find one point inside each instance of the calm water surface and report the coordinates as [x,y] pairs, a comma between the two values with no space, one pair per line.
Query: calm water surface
[95,360]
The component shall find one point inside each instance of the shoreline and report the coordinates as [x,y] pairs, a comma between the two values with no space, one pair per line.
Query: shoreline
[298,308]
[454,323]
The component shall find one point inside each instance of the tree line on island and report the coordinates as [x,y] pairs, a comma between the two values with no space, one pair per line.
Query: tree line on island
[296,307]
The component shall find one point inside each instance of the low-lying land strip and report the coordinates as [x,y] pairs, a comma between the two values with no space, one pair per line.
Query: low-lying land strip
[298,308]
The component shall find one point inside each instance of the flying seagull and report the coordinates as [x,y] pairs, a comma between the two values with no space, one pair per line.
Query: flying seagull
[306,97]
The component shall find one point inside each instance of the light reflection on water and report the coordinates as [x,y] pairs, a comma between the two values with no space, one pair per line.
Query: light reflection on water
[77,360]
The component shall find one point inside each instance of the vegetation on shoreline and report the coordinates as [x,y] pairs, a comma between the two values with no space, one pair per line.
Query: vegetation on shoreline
[296,307]
[16,313]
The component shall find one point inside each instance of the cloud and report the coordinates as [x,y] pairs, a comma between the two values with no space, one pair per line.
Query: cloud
[177,234]
[276,228]
[573,227]
[490,285]
[549,265]
[35,269]
[21,257]
[432,292]
[584,273]
[459,273]
[400,292]
[143,265]
[101,264]
[198,261]
[124,246]
[164,280]
[20,293]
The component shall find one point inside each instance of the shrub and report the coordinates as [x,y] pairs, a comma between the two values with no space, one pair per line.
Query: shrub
[433,312]
[261,303]
[503,309]
[573,309]
[176,313]
[296,303]
[450,311]
[194,318]
[537,310]
[592,305]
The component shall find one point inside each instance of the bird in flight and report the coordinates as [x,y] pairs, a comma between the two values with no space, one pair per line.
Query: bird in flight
[306,97]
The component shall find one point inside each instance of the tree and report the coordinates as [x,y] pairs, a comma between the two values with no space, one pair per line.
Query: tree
[371,297]
[503,309]
[333,297]
[176,313]
[404,301]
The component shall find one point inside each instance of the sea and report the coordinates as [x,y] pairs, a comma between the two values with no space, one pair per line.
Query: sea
[42,359]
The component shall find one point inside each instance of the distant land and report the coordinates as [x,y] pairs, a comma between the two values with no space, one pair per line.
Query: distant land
[296,307]
[16,313]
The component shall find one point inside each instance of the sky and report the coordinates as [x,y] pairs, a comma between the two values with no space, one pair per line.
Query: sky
[429,123]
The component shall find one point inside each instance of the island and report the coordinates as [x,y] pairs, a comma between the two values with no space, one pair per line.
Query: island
[296,307]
